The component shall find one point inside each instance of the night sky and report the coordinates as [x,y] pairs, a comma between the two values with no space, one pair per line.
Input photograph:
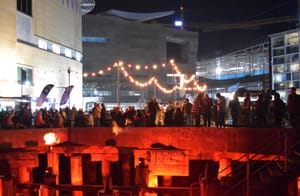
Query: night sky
[200,12]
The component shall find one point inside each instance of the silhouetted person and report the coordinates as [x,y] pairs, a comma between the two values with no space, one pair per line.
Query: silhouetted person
[221,110]
[246,109]
[153,107]
[207,110]
[279,110]
[293,107]
[197,108]
[234,107]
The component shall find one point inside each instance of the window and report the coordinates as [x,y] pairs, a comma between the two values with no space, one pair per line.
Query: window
[92,39]
[25,6]
[292,38]
[278,41]
[278,60]
[55,48]
[68,53]
[278,51]
[295,67]
[177,51]
[24,75]
[42,44]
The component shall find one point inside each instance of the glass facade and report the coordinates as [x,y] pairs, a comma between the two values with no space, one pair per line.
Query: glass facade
[245,68]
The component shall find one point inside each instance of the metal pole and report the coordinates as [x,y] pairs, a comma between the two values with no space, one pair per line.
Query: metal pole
[118,85]
[69,75]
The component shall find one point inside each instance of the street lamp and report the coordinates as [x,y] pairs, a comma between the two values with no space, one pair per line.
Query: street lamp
[69,75]
[120,63]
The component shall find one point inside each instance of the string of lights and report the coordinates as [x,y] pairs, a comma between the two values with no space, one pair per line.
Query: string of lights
[153,80]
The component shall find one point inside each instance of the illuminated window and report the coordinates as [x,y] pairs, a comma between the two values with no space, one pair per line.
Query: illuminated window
[294,67]
[42,44]
[292,38]
[78,56]
[56,48]
[278,69]
[68,53]
[281,77]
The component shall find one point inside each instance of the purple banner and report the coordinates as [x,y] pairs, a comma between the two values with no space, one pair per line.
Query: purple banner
[44,94]
[66,95]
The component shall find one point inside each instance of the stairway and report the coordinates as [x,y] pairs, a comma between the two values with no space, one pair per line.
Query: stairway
[267,178]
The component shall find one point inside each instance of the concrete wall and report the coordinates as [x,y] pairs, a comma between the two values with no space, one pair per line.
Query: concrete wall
[200,143]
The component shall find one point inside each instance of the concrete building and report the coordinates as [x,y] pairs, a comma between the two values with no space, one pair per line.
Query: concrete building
[145,50]
[40,45]
[285,61]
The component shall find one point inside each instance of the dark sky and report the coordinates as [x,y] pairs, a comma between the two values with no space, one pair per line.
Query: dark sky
[200,12]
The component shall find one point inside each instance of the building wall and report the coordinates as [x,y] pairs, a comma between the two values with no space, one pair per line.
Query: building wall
[59,22]
[51,21]
[134,43]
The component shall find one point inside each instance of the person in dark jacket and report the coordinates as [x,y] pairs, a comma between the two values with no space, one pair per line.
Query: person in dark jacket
[279,110]
[153,107]
[293,107]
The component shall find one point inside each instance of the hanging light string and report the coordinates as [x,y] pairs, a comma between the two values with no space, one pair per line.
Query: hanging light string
[153,80]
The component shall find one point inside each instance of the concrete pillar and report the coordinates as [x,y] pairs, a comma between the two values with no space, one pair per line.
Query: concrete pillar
[24,174]
[25,177]
[106,174]
[1,187]
[53,162]
[293,187]
[167,182]
[126,169]
[7,187]
[224,168]
[76,173]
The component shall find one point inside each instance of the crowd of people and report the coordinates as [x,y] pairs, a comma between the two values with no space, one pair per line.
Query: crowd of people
[269,110]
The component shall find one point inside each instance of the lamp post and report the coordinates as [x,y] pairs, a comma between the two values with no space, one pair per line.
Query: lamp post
[69,81]
[118,82]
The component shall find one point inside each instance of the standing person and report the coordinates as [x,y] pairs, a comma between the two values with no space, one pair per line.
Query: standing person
[207,107]
[246,109]
[259,110]
[196,109]
[72,116]
[221,110]
[153,107]
[293,107]
[97,114]
[103,115]
[279,110]
[168,118]
[178,117]
[187,112]
[234,107]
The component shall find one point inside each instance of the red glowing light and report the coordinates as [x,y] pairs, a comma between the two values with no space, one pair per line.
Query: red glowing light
[129,65]
[163,65]
[93,74]
[181,8]
[109,69]
[146,66]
